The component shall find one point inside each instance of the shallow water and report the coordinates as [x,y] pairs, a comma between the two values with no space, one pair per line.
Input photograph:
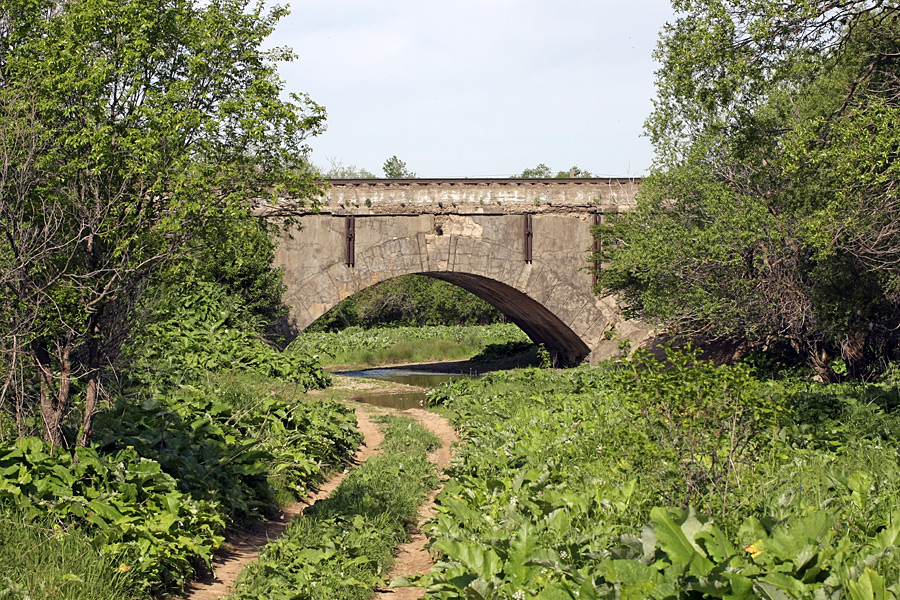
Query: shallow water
[399,400]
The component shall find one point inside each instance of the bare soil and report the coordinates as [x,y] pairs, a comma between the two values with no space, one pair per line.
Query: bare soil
[412,558]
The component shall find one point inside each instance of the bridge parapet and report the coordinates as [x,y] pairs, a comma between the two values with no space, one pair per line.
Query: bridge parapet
[479,196]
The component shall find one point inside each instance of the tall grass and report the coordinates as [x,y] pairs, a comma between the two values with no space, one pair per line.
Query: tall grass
[42,560]
[406,352]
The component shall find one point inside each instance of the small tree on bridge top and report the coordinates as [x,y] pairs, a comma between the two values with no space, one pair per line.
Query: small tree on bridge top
[542,171]
[127,127]
[394,168]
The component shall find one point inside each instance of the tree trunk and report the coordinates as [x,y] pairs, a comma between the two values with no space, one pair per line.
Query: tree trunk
[54,393]
[90,408]
[92,393]
[11,381]
[818,360]
[853,351]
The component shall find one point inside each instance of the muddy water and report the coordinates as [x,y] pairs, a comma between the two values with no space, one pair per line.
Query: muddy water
[399,400]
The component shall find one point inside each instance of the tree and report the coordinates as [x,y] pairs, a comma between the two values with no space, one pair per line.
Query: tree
[542,171]
[394,168]
[336,170]
[409,300]
[539,172]
[575,171]
[129,127]
[771,215]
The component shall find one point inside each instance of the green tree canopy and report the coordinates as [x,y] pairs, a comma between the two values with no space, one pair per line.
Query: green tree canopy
[409,300]
[129,127]
[542,171]
[771,215]
[394,168]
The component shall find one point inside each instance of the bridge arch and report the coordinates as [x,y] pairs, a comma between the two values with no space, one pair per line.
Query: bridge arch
[528,259]
[537,321]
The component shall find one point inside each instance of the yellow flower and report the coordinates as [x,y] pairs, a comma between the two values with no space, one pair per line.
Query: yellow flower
[124,568]
[753,549]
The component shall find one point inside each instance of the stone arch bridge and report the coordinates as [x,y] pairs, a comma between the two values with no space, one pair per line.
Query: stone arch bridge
[520,244]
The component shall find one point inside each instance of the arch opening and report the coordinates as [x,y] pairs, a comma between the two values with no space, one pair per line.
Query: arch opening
[539,323]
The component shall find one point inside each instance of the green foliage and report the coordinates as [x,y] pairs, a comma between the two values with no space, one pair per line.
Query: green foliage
[243,448]
[130,128]
[770,216]
[197,330]
[539,172]
[556,491]
[155,491]
[132,511]
[354,345]
[394,168]
[542,171]
[344,546]
[221,433]
[707,421]
[337,170]
[40,559]
[494,352]
[237,256]
[409,300]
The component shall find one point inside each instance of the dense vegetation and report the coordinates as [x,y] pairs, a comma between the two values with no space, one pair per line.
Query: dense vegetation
[138,139]
[409,300]
[344,547]
[143,410]
[542,171]
[681,480]
[131,130]
[770,219]
[211,428]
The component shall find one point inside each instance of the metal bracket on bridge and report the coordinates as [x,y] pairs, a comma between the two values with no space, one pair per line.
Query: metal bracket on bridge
[351,241]
[529,238]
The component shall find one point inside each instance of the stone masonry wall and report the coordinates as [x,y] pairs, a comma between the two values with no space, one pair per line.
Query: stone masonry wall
[472,235]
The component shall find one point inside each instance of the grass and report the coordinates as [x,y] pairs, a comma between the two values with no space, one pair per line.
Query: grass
[406,352]
[40,560]
[354,346]
[344,547]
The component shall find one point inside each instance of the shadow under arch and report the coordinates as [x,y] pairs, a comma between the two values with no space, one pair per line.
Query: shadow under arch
[538,322]
[532,317]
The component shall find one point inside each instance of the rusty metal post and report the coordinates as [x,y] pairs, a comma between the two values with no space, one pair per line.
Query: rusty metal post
[529,238]
[351,241]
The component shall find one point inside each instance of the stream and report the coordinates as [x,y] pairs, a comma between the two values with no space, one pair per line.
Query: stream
[399,400]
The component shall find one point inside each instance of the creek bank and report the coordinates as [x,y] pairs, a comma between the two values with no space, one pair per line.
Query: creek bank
[415,382]
[346,545]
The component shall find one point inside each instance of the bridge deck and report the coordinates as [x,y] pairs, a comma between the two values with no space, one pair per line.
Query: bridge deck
[478,196]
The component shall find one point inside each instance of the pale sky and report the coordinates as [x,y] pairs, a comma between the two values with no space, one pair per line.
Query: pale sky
[478,88]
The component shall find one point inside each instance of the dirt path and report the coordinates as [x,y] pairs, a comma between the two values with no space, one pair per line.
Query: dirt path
[412,557]
[243,547]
